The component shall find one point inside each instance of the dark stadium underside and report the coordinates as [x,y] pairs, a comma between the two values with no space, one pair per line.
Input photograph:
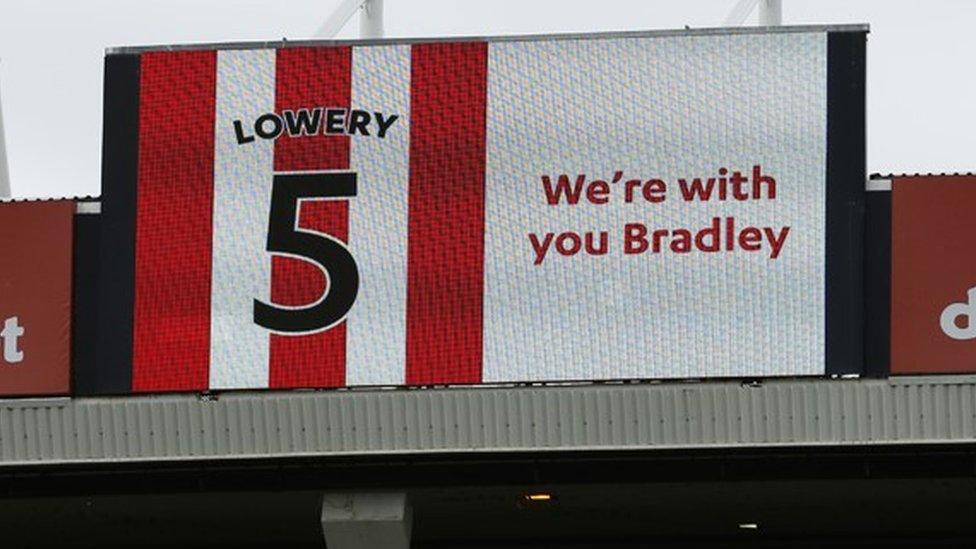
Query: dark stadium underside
[808,497]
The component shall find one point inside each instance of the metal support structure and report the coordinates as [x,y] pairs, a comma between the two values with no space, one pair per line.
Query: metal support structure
[770,13]
[366,520]
[370,19]
[4,172]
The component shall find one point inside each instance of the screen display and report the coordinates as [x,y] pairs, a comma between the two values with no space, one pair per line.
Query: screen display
[591,208]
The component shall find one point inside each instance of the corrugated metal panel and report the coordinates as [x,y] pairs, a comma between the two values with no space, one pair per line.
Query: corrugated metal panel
[587,417]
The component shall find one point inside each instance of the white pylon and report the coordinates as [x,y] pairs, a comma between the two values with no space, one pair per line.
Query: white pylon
[770,12]
[4,173]
[370,19]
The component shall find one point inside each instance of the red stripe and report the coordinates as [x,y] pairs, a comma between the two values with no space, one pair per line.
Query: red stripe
[445,262]
[171,343]
[307,78]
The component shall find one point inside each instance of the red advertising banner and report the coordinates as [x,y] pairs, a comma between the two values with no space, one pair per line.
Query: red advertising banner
[933,276]
[35,297]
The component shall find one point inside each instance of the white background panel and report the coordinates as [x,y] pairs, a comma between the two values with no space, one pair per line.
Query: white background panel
[668,108]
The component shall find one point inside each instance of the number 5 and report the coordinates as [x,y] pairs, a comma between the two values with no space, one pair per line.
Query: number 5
[322,250]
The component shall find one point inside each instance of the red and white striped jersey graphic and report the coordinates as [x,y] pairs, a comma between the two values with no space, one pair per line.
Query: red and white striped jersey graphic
[448,220]
[203,202]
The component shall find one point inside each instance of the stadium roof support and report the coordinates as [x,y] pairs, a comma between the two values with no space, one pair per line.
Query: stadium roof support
[4,173]
[367,519]
[770,12]
[370,19]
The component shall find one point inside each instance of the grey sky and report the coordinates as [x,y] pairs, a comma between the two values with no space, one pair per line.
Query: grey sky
[921,85]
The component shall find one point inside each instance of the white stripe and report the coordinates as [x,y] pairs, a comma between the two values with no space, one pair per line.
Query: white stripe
[878,185]
[376,326]
[242,195]
[88,208]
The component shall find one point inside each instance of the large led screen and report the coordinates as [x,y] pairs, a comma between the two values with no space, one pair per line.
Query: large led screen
[636,206]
